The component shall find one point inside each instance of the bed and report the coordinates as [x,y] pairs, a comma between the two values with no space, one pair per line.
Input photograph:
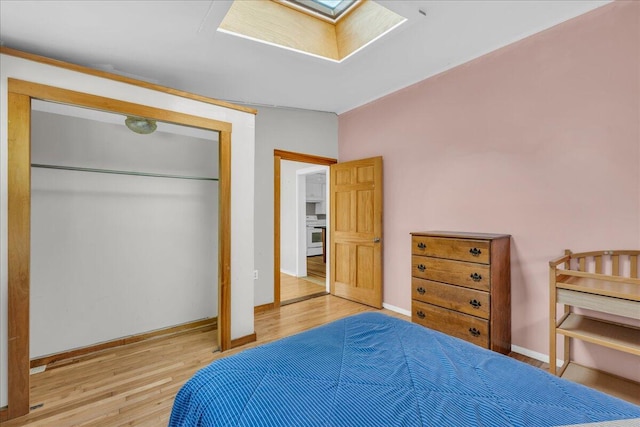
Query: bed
[375,370]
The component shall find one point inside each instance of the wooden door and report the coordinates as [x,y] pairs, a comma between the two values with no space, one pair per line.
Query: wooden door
[356,231]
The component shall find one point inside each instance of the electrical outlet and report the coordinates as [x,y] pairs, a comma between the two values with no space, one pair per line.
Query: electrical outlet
[255,274]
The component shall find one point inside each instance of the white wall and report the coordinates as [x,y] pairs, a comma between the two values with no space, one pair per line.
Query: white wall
[301,131]
[126,254]
[242,179]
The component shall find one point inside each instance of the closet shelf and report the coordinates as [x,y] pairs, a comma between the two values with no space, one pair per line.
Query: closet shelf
[603,381]
[117,172]
[620,337]
[600,284]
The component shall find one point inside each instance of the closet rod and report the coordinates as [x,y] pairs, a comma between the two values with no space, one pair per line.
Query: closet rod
[109,171]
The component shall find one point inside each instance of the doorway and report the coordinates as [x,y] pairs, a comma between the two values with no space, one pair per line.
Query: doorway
[300,226]
[303,249]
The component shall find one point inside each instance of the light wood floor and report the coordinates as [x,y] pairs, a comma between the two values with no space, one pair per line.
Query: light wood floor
[294,289]
[136,384]
[297,288]
[316,268]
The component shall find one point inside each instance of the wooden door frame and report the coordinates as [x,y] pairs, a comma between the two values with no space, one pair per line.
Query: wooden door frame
[20,94]
[279,155]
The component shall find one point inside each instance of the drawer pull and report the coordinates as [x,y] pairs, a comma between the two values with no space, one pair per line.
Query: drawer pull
[422,246]
[475,303]
[475,251]
[420,314]
[421,267]
[476,277]
[421,290]
[474,332]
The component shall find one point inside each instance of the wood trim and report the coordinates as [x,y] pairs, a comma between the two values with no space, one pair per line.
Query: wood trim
[564,275]
[19,204]
[558,261]
[4,414]
[276,230]
[238,342]
[553,317]
[607,252]
[224,243]
[279,155]
[304,158]
[19,232]
[264,307]
[146,336]
[122,79]
[40,91]
[304,298]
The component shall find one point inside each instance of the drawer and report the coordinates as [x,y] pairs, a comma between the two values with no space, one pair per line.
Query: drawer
[458,249]
[470,275]
[457,298]
[463,326]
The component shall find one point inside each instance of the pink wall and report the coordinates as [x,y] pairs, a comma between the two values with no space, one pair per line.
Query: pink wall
[540,139]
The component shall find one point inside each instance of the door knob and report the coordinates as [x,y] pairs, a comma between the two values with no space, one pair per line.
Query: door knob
[376,240]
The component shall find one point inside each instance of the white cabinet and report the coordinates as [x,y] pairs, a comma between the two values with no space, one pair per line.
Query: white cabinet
[315,192]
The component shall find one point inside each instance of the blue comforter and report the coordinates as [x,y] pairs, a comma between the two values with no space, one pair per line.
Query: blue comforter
[375,370]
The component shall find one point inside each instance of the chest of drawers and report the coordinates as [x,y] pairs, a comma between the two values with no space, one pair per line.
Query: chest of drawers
[461,285]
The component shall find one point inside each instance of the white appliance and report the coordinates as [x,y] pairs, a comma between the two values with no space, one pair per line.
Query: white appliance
[315,235]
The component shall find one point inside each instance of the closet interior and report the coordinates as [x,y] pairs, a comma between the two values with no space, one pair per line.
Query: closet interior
[124,227]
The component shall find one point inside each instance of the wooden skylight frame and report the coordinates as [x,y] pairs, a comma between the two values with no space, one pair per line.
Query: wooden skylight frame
[272,22]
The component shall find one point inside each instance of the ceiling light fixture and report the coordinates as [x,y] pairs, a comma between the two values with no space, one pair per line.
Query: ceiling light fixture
[141,125]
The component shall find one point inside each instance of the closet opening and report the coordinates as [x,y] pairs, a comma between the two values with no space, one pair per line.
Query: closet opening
[140,215]
[124,225]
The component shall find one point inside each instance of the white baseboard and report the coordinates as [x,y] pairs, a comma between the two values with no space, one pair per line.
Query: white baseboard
[396,309]
[289,273]
[534,354]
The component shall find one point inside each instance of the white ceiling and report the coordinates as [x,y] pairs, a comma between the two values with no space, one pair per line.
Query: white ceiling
[175,43]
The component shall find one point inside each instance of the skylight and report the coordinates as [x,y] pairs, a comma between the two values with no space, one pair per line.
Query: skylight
[290,25]
[332,4]
[332,9]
